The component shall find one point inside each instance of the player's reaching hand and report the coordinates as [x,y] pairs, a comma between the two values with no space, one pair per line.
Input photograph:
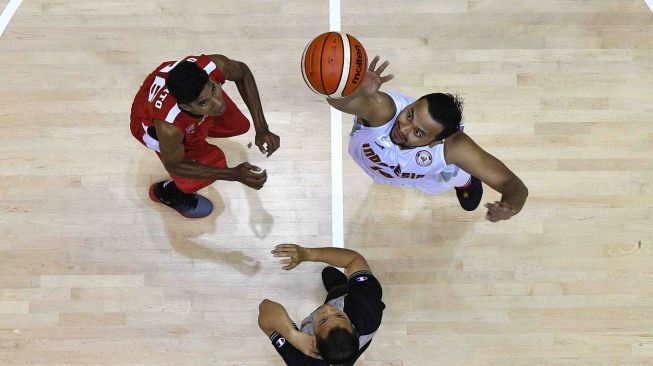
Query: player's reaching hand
[250,175]
[373,79]
[267,141]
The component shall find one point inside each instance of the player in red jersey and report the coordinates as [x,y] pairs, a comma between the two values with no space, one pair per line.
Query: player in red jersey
[178,106]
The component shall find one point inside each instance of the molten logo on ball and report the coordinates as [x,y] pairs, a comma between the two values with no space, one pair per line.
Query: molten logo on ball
[359,64]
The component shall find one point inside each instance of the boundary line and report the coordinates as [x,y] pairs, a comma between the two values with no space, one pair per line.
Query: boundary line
[337,197]
[8,13]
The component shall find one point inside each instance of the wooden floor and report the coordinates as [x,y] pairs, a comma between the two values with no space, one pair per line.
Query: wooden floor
[93,273]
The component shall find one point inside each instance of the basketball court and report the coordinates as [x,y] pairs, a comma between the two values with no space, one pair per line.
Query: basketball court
[94,273]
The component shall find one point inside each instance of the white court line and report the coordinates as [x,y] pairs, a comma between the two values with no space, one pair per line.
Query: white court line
[8,13]
[649,3]
[337,221]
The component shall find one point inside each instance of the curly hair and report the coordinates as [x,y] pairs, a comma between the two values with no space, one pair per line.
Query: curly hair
[186,81]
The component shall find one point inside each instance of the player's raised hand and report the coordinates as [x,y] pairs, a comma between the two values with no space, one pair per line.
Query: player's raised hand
[293,253]
[498,211]
[373,79]
[250,175]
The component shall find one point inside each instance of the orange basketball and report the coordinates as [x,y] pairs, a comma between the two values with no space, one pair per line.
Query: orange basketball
[334,64]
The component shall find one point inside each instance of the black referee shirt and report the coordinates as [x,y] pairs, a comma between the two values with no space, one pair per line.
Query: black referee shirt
[364,308]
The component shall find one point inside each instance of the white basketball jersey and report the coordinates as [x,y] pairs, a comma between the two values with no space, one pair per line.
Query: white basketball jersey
[422,167]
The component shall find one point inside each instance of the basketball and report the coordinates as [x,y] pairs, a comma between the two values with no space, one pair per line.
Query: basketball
[334,64]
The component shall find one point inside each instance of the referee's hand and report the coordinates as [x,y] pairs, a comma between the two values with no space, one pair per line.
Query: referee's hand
[294,253]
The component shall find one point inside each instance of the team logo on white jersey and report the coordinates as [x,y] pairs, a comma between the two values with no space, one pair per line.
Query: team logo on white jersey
[280,342]
[424,158]
[385,140]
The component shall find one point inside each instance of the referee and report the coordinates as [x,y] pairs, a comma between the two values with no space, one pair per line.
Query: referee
[339,331]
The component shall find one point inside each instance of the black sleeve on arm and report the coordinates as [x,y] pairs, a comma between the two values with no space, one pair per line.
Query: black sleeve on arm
[291,355]
[363,303]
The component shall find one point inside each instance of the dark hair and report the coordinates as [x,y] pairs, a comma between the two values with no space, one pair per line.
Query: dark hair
[186,81]
[340,346]
[447,110]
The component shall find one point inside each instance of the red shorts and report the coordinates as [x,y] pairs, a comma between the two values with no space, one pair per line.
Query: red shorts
[231,123]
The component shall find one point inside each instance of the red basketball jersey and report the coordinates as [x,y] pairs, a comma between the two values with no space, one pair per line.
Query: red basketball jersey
[154,101]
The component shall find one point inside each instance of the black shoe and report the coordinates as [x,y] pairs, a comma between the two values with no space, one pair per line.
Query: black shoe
[470,195]
[331,277]
[192,205]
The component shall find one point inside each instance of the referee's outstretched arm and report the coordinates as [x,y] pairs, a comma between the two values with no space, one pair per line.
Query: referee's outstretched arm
[348,259]
[273,318]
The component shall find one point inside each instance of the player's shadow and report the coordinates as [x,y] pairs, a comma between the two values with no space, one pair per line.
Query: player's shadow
[398,216]
[184,238]
[184,234]
[410,233]
[414,240]
[260,220]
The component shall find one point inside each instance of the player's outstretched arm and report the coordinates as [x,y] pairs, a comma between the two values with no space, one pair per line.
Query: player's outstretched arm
[348,259]
[173,157]
[367,101]
[240,73]
[461,150]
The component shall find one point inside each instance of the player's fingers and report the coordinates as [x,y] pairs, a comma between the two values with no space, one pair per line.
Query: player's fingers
[373,63]
[260,143]
[290,266]
[385,64]
[261,180]
[270,147]
[257,180]
[274,143]
[387,78]
[285,246]
[283,254]
[253,168]
[253,176]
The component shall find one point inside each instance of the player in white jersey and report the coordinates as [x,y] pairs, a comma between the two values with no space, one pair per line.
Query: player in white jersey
[420,143]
